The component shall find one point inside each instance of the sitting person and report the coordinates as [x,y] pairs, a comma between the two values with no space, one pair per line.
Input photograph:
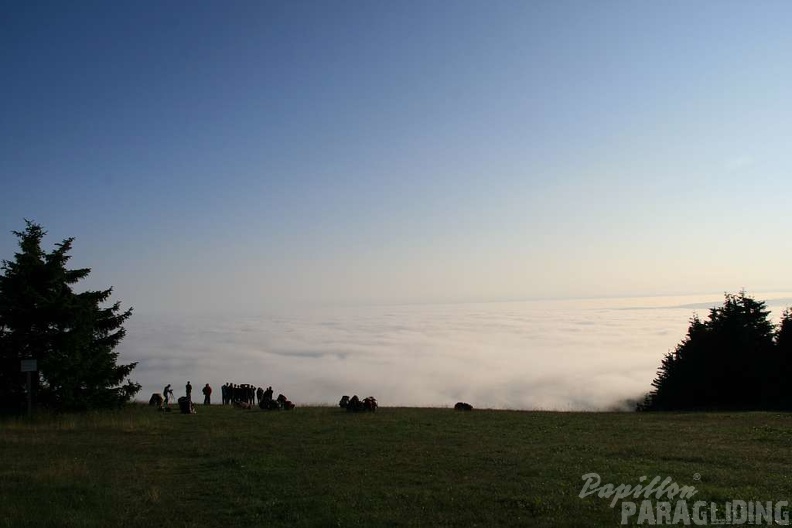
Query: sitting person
[239,404]
[186,405]
[284,403]
[157,399]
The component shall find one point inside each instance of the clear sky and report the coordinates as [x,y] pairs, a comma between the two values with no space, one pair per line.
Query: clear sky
[249,154]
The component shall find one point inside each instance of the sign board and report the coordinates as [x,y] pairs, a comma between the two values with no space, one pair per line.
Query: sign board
[29,365]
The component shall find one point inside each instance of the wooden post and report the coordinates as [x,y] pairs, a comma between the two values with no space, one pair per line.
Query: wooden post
[28,366]
[29,395]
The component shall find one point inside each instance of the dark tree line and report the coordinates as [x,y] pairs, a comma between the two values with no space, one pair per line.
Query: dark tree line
[71,335]
[736,359]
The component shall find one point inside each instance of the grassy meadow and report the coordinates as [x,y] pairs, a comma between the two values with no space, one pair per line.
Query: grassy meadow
[321,466]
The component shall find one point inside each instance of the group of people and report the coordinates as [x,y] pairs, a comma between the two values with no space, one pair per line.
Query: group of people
[167,393]
[355,404]
[241,396]
[242,393]
[231,393]
[246,396]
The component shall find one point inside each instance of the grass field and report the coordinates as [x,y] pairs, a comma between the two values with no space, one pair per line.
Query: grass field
[398,467]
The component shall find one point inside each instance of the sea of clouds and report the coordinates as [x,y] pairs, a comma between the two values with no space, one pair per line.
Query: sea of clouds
[556,355]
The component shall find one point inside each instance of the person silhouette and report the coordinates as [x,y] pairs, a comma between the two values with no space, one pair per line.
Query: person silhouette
[167,393]
[207,392]
[188,390]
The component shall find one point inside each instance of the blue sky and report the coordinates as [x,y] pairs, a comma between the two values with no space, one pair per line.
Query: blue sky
[241,155]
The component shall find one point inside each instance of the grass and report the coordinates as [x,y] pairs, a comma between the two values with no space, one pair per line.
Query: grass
[321,466]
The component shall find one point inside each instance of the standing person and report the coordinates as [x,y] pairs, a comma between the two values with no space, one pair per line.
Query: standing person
[167,393]
[188,390]
[207,392]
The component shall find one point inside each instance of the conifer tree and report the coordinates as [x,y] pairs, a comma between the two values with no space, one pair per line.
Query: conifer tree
[71,335]
[729,361]
[783,373]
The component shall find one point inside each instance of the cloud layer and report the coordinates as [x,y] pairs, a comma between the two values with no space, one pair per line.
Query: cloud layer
[560,355]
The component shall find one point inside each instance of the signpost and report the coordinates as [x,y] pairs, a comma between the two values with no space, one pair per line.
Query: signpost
[28,366]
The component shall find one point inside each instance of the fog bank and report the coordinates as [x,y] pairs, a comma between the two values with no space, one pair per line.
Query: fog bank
[554,355]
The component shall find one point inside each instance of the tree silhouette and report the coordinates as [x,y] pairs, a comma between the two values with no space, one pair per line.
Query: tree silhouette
[783,371]
[71,335]
[732,360]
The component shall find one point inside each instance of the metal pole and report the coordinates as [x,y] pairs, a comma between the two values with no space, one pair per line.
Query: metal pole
[29,395]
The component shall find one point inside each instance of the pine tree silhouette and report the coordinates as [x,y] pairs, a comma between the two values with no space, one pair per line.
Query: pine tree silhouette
[72,335]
